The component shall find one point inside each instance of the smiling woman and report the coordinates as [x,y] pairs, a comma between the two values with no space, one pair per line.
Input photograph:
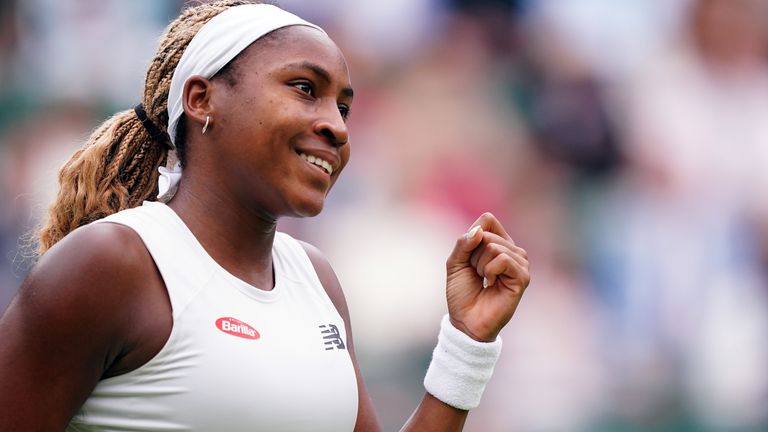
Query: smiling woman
[172,303]
[295,102]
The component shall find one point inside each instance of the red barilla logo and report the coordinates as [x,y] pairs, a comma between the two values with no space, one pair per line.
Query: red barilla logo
[235,327]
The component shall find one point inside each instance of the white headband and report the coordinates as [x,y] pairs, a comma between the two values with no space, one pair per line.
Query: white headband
[218,42]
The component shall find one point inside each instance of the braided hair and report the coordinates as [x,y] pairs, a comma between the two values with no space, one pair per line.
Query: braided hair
[116,168]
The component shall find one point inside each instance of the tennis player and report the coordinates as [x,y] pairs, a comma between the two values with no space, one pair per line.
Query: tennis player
[170,302]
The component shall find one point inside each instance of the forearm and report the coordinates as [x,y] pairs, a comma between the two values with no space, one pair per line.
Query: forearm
[486,277]
[432,415]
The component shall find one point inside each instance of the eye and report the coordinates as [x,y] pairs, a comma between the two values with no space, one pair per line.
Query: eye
[305,87]
[344,111]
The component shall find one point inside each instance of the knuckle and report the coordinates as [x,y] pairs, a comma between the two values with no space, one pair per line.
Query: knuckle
[523,253]
[525,276]
[450,263]
[496,248]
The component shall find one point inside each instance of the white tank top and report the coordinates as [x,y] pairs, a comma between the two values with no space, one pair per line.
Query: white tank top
[238,358]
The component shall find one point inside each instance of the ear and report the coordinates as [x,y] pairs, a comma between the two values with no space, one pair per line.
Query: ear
[197,101]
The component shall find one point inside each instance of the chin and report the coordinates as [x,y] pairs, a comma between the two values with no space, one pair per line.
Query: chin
[306,203]
[310,209]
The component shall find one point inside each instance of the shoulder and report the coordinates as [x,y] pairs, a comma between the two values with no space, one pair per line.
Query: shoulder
[327,277]
[93,254]
[78,317]
[93,282]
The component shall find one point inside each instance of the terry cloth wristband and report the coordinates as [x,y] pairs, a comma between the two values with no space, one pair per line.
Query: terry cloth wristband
[460,367]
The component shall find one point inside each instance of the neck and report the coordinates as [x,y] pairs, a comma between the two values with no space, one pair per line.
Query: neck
[237,238]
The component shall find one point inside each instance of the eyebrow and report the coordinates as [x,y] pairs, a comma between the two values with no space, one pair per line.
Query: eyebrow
[322,73]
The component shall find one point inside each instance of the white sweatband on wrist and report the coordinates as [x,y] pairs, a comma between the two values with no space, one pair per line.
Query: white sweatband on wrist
[460,367]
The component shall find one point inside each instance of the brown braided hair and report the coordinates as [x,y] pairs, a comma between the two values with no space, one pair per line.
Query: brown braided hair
[116,168]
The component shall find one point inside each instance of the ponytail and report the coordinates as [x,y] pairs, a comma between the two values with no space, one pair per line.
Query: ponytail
[113,171]
[116,168]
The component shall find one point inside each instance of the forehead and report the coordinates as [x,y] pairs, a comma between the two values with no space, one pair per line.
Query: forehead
[295,45]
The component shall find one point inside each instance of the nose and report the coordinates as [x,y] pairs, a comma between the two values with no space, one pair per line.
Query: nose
[332,126]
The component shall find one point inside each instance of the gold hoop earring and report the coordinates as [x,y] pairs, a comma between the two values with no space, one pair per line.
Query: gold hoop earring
[205,126]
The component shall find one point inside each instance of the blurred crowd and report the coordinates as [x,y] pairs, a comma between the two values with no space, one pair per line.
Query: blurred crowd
[624,144]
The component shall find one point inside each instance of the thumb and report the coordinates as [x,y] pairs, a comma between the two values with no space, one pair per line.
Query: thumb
[464,246]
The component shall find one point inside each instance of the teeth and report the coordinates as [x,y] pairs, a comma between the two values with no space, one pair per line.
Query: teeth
[327,167]
[319,162]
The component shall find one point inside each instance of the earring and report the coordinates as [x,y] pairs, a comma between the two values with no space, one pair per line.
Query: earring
[205,126]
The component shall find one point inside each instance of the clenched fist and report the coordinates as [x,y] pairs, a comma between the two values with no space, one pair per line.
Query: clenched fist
[486,277]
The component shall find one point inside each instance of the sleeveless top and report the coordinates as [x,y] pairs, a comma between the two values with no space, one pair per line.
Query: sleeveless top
[238,358]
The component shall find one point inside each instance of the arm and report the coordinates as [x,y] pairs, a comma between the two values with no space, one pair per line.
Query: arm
[72,323]
[489,254]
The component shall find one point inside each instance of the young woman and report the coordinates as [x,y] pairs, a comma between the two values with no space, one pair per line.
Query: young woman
[174,304]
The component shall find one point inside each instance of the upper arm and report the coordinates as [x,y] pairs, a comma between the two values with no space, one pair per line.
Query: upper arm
[366,415]
[65,326]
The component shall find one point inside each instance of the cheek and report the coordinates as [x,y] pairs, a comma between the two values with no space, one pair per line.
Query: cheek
[345,153]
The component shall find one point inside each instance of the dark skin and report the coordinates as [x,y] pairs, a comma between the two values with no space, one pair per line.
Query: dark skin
[95,305]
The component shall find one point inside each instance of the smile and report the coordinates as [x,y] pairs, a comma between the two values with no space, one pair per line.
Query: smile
[318,162]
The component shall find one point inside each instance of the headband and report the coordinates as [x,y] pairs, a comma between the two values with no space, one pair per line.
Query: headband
[217,42]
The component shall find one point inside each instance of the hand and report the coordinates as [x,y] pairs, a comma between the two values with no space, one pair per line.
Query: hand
[485,255]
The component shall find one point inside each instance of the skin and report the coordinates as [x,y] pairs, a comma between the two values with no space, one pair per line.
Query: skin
[95,305]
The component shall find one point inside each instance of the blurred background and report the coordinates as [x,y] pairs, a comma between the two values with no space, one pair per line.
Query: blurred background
[624,144]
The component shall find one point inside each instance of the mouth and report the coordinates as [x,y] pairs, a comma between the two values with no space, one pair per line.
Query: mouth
[318,162]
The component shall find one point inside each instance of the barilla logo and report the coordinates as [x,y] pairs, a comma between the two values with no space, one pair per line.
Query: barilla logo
[235,327]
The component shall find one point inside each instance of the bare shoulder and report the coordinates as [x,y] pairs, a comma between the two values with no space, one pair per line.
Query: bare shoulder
[77,319]
[97,265]
[103,276]
[328,278]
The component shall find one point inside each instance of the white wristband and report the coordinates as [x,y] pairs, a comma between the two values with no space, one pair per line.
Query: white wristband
[460,367]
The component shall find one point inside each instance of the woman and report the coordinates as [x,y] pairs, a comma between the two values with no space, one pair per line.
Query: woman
[197,314]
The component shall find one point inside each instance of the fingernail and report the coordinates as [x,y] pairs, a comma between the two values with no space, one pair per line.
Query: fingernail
[485,282]
[471,233]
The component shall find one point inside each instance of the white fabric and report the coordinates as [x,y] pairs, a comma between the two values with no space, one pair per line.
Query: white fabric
[295,376]
[168,182]
[216,43]
[460,367]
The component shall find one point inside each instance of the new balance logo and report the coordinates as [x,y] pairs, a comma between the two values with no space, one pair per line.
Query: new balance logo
[331,337]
